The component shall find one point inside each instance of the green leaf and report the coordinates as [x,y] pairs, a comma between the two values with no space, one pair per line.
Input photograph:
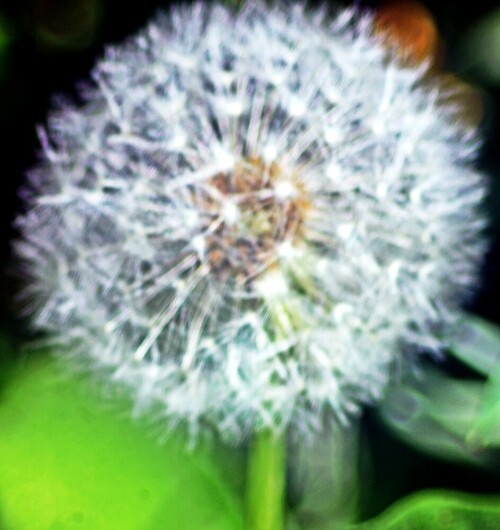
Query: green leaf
[437,510]
[437,414]
[68,461]
[476,343]
[486,428]
[451,418]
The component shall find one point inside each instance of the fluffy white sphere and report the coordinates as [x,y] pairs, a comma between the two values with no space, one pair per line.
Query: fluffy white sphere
[251,215]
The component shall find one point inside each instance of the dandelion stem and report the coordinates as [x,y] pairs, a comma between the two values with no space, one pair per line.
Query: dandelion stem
[266,482]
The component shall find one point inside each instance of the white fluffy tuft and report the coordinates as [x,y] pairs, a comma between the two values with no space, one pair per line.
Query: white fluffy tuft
[246,305]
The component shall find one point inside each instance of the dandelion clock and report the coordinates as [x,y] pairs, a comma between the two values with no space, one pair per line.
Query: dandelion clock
[251,220]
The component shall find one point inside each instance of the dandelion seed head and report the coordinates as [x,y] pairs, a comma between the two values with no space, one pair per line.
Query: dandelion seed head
[250,215]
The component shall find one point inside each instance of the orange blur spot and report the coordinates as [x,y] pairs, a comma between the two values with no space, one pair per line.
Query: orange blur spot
[410,26]
[464,98]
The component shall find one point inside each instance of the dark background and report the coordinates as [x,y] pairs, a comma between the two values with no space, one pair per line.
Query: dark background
[48,46]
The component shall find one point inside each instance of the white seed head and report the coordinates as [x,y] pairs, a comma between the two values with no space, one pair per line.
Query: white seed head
[250,215]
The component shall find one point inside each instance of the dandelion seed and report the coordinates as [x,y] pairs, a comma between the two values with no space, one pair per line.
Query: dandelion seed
[250,215]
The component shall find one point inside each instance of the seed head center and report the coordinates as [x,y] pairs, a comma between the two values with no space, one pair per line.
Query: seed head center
[249,212]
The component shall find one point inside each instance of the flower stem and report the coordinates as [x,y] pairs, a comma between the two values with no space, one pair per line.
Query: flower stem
[266,482]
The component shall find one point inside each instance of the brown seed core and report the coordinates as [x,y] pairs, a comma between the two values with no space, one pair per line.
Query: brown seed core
[248,212]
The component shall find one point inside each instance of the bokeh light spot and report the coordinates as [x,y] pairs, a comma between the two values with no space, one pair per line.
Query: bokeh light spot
[68,25]
[409,25]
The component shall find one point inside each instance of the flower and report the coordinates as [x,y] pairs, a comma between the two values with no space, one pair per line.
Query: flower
[252,216]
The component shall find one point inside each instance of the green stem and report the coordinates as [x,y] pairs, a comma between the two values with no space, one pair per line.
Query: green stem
[266,482]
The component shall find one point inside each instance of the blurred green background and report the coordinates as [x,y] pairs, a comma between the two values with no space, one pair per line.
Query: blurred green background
[46,48]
